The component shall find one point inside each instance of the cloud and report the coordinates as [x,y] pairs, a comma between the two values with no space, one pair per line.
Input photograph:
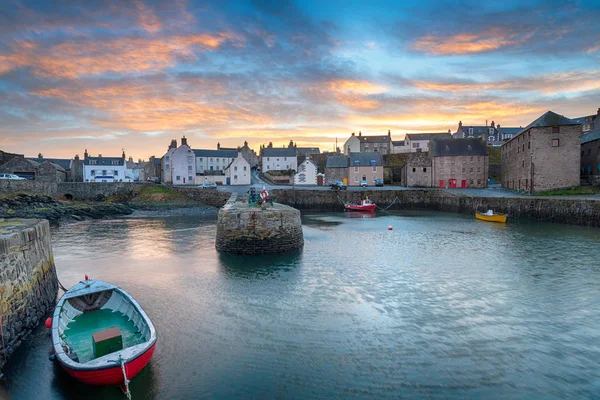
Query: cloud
[465,43]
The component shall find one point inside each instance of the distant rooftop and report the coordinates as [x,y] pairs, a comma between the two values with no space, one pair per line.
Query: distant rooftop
[458,147]
[279,152]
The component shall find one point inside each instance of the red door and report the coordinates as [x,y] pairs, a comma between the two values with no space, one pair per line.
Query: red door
[442,184]
[463,184]
[452,183]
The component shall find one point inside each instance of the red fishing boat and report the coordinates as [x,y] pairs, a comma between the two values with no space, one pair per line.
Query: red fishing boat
[101,335]
[365,205]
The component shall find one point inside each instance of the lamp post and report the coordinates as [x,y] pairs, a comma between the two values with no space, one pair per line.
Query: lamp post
[531,173]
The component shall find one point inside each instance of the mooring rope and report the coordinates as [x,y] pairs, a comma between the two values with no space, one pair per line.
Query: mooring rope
[61,285]
[385,209]
[125,380]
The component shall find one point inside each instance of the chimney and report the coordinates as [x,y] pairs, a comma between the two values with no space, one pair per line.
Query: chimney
[218,145]
[123,155]
[85,154]
[245,143]
[76,157]
[40,155]
[99,155]
[183,141]
[493,125]
[131,159]
[389,133]
[173,144]
[459,125]
[598,111]
[359,133]
[449,132]
[352,133]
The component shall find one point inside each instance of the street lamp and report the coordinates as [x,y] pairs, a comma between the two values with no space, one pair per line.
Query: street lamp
[531,173]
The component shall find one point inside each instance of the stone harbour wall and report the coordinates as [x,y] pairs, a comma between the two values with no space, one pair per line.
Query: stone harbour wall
[8,186]
[210,197]
[99,191]
[28,282]
[256,230]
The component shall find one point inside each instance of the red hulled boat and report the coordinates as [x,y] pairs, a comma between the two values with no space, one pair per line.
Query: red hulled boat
[101,335]
[365,205]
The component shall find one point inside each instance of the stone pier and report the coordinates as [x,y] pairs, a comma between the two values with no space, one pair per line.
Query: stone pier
[28,282]
[250,230]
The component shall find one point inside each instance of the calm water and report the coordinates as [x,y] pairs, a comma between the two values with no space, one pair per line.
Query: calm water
[443,306]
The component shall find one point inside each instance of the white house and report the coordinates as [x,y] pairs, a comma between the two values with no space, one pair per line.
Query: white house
[105,169]
[279,159]
[352,145]
[165,164]
[307,173]
[238,171]
[183,165]
[213,162]
[420,141]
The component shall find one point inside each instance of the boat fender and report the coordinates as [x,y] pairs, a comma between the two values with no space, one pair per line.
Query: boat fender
[48,323]
[52,357]
[67,349]
[390,228]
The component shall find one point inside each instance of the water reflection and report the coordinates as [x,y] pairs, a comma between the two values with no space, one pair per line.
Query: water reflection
[267,265]
[360,214]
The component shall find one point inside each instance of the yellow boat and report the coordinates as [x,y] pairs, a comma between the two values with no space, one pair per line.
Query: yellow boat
[495,217]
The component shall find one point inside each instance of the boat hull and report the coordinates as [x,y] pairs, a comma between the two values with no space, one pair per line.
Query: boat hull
[350,207]
[113,375]
[491,218]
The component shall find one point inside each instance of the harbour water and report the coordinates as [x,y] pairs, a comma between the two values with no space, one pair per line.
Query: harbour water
[442,306]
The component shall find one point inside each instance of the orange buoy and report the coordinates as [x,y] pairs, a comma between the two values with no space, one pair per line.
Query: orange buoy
[390,228]
[48,323]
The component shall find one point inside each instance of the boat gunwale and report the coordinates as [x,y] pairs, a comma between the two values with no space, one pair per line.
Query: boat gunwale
[109,362]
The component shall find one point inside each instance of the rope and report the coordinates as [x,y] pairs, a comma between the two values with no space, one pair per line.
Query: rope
[125,380]
[61,286]
[385,209]
[341,201]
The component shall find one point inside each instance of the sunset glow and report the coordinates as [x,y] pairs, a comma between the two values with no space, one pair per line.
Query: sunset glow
[133,75]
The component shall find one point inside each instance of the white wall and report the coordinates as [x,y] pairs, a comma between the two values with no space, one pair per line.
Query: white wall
[307,174]
[111,173]
[353,143]
[217,163]
[183,166]
[167,176]
[239,171]
[279,163]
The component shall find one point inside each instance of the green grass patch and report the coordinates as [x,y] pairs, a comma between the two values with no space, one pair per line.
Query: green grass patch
[155,189]
[575,191]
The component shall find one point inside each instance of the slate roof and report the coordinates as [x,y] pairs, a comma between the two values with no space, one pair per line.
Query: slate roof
[550,119]
[510,131]
[308,150]
[140,165]
[104,161]
[365,159]
[587,119]
[477,130]
[427,136]
[590,136]
[337,162]
[398,142]
[64,163]
[279,152]
[375,139]
[458,147]
[215,153]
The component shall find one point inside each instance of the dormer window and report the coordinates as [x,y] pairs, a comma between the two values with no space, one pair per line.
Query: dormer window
[470,131]
[469,148]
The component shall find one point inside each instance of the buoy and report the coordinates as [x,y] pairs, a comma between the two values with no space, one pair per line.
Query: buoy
[390,228]
[52,357]
[48,323]
[86,277]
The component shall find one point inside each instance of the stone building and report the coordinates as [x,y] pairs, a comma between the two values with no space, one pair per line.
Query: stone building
[545,155]
[416,172]
[376,143]
[279,159]
[249,154]
[365,166]
[183,165]
[68,170]
[399,147]
[44,170]
[420,141]
[165,165]
[6,157]
[589,122]
[336,169]
[459,163]
[590,156]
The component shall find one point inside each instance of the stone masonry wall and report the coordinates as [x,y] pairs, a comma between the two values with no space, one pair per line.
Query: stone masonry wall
[28,282]
[99,191]
[37,187]
[210,197]
[254,230]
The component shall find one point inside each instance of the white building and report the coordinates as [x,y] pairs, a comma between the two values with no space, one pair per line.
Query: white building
[352,145]
[307,173]
[165,164]
[105,169]
[420,141]
[279,159]
[213,162]
[238,171]
[183,165]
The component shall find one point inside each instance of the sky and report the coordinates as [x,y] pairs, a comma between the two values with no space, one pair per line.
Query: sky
[131,75]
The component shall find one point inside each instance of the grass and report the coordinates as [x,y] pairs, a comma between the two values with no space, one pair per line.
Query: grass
[575,191]
[495,154]
[148,190]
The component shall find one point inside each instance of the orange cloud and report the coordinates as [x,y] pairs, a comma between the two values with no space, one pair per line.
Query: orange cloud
[75,59]
[465,43]
[147,19]
[362,87]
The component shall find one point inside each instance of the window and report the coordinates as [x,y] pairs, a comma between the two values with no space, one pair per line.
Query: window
[555,142]
[470,181]
[374,168]
[478,169]
[471,169]
[582,153]
[200,159]
[166,158]
[93,162]
[235,177]
[463,170]
[589,151]
[414,170]
[356,179]
[284,158]
[116,172]
[471,131]
[278,159]
[235,168]
[528,145]
[166,166]
[424,169]
[189,168]
[287,166]
[244,168]
[211,159]
[355,169]
[190,159]
[189,179]
[523,163]
[479,181]
[223,160]
[93,172]
[178,178]
[555,129]
[415,145]
[103,172]
[523,146]
[268,159]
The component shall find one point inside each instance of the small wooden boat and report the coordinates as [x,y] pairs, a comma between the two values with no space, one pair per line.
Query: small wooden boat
[365,205]
[101,335]
[493,217]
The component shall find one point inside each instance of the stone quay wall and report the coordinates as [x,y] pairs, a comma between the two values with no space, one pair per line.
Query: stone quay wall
[210,197]
[99,191]
[558,210]
[28,282]
[38,187]
[256,230]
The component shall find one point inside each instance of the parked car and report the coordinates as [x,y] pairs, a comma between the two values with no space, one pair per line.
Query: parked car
[12,177]
[363,183]
[339,185]
[378,182]
[209,185]
[154,179]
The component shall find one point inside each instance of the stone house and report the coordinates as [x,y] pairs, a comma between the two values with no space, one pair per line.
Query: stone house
[249,154]
[376,143]
[416,172]
[420,141]
[352,145]
[183,165]
[6,157]
[307,151]
[367,166]
[105,169]
[399,146]
[336,169]
[44,170]
[165,166]
[279,159]
[589,122]
[307,173]
[238,172]
[213,162]
[590,156]
[505,134]
[488,134]
[545,155]
[459,163]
